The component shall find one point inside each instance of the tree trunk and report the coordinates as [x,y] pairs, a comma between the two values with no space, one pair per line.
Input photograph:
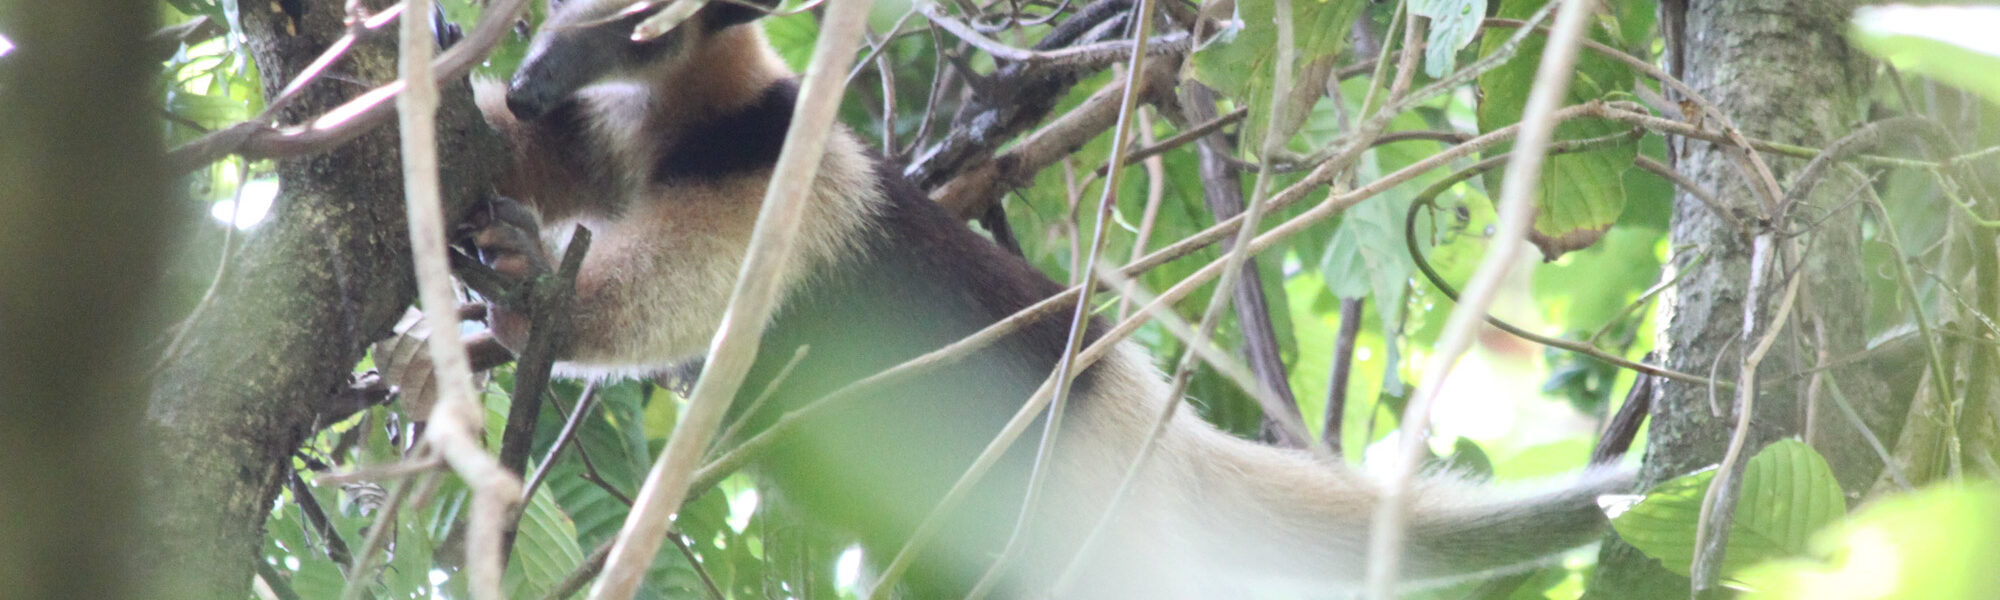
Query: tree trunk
[328,273]
[1782,71]
[81,223]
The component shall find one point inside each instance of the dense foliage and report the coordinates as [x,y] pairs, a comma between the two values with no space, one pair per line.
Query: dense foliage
[1513,409]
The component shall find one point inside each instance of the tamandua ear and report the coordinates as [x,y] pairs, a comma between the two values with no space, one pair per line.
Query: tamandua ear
[720,14]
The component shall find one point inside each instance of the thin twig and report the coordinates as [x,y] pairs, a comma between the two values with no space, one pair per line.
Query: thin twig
[1935,355]
[582,575]
[1516,209]
[548,329]
[1757,171]
[1381,62]
[1337,158]
[1293,428]
[1339,374]
[1718,507]
[585,403]
[453,430]
[1587,348]
[728,436]
[1156,193]
[408,467]
[336,547]
[733,460]
[175,345]
[257,139]
[1080,319]
[1181,139]
[1701,194]
[1085,56]
[1890,465]
[1646,297]
[750,304]
[363,574]
[1222,192]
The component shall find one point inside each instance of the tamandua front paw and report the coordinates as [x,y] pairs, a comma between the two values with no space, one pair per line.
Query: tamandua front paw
[507,234]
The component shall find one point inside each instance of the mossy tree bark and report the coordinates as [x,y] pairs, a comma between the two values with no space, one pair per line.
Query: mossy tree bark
[1782,71]
[328,273]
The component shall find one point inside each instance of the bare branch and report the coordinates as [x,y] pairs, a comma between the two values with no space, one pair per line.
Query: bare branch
[1086,56]
[1340,373]
[1067,367]
[1718,507]
[456,421]
[258,139]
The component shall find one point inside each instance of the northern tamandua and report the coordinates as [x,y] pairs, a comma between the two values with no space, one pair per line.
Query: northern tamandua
[663,149]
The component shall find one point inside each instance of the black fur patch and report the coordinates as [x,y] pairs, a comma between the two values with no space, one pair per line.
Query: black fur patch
[731,144]
[723,14]
[880,463]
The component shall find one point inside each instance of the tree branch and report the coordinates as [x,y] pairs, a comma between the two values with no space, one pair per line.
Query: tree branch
[258,139]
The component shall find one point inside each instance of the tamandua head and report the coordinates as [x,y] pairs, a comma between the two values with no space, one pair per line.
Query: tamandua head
[585,42]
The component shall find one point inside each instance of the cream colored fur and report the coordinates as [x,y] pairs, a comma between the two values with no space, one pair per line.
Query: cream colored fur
[1215,516]
[654,285]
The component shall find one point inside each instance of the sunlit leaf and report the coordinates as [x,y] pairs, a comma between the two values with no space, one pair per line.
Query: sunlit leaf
[1788,493]
[1453,25]
[1581,194]
[1954,44]
[793,37]
[1935,544]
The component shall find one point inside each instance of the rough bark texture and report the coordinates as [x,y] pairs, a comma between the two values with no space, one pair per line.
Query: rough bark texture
[325,275]
[1783,71]
[82,215]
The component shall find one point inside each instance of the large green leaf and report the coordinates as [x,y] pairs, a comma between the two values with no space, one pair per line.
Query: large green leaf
[1935,544]
[545,551]
[1581,194]
[1244,67]
[1788,493]
[1953,44]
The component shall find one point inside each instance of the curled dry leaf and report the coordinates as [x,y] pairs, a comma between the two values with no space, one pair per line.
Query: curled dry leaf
[406,364]
[1554,246]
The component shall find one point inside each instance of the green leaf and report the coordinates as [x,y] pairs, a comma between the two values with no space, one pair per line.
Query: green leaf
[207,110]
[1366,255]
[1581,194]
[1585,290]
[1953,44]
[1453,25]
[793,36]
[1469,459]
[1934,544]
[1788,493]
[545,550]
[1244,68]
